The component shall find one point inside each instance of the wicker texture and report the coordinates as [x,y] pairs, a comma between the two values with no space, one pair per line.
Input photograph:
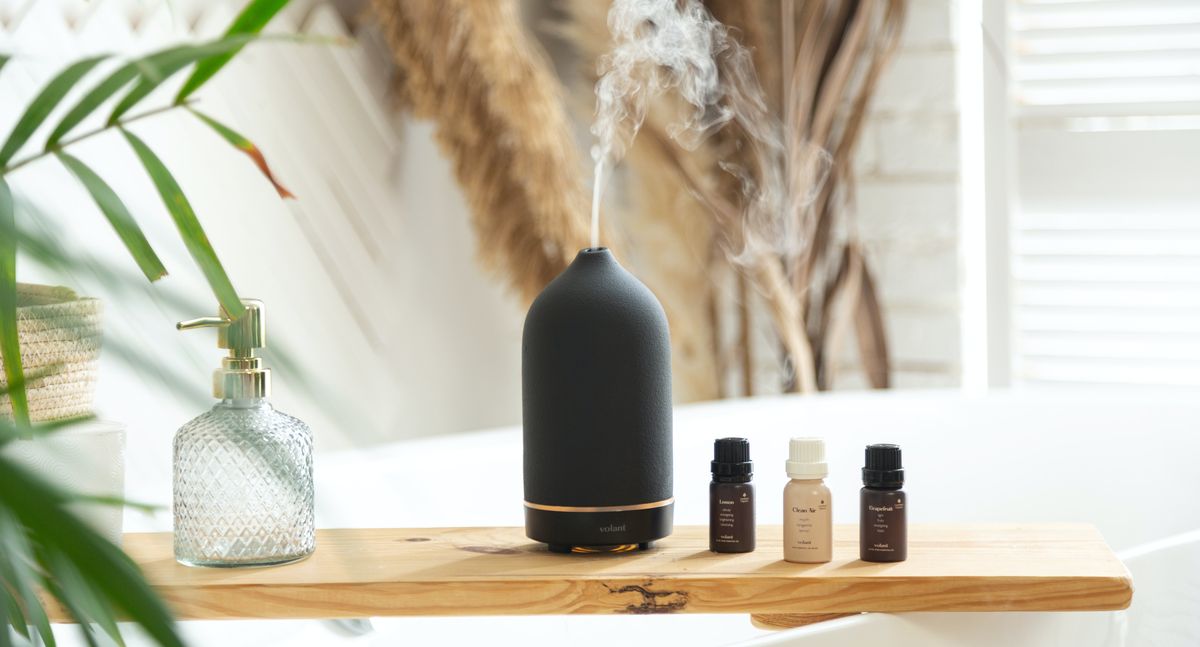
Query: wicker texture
[60,335]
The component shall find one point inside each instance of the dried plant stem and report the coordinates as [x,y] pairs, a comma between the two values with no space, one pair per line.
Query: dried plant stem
[787,310]
[768,274]
[872,337]
[875,51]
[747,352]
[841,305]
[712,305]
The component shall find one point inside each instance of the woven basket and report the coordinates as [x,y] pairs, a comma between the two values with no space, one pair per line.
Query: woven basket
[60,336]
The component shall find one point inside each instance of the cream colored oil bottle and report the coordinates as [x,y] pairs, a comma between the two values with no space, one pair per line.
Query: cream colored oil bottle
[807,505]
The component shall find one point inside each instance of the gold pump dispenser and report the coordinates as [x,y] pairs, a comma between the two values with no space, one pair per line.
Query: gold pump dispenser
[242,375]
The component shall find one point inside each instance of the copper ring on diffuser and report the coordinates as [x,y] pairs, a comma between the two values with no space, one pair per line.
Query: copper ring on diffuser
[600,508]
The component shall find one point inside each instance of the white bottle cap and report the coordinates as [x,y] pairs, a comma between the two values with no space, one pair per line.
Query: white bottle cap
[806,459]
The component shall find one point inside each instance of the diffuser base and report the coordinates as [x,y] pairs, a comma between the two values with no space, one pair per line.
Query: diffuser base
[586,531]
[591,550]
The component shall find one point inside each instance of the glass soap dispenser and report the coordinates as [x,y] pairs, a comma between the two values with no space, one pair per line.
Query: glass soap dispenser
[243,471]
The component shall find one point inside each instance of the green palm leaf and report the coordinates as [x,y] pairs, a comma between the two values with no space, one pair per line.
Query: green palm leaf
[118,216]
[238,141]
[44,103]
[99,94]
[80,597]
[10,347]
[39,508]
[251,20]
[155,69]
[73,608]
[19,577]
[189,227]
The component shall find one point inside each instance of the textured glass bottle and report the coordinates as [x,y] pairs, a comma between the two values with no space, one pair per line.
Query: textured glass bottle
[243,471]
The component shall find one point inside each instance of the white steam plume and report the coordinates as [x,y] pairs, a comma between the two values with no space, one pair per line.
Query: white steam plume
[661,45]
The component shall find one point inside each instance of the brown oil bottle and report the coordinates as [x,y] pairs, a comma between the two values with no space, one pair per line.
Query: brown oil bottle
[731,498]
[883,521]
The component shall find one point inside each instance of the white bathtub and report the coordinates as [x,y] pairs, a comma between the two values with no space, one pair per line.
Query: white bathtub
[1125,464]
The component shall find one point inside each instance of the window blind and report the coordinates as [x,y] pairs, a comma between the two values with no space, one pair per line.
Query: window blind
[1106,227]
[1105,58]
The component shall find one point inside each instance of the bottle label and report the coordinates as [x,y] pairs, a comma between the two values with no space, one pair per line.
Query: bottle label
[807,528]
[727,518]
[731,519]
[883,527]
[804,520]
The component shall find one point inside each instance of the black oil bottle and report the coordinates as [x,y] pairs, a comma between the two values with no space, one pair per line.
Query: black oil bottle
[883,521]
[731,498]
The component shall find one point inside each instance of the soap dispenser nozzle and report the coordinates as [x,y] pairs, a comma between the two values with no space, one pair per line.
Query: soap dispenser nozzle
[242,375]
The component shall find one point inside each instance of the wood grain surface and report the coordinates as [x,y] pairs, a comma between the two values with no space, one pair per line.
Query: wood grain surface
[498,571]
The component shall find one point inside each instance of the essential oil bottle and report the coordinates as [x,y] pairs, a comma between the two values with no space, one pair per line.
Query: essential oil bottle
[731,498]
[883,523]
[807,504]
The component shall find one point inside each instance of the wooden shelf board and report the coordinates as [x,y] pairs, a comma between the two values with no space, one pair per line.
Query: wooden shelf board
[498,571]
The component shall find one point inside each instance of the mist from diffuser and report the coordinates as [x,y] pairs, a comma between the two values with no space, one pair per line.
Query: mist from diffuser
[661,45]
[657,45]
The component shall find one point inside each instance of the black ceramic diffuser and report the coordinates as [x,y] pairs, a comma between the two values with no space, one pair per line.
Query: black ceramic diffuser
[596,384]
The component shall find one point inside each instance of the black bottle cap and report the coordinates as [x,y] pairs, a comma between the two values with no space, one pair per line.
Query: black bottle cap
[731,458]
[883,467]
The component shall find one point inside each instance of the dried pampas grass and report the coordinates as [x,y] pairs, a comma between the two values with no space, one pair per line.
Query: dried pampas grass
[500,118]
[468,65]
[818,62]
